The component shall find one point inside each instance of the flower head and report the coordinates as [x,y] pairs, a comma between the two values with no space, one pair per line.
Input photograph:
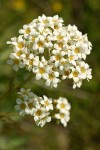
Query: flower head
[47,43]
[43,109]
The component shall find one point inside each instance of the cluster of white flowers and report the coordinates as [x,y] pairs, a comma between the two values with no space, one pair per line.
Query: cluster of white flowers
[43,109]
[52,51]
[62,110]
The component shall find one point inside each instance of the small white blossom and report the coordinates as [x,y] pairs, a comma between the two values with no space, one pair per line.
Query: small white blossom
[21,106]
[74,74]
[47,103]
[52,77]
[63,117]
[85,71]
[40,71]
[44,119]
[62,105]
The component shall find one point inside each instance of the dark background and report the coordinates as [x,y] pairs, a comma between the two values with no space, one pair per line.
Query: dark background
[83,130]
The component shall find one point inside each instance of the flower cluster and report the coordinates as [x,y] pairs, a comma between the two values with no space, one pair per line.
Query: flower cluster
[43,109]
[52,51]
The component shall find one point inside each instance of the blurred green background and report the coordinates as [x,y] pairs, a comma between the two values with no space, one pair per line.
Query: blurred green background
[83,130]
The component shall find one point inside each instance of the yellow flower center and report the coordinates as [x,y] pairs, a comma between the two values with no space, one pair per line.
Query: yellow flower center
[54,69]
[16,61]
[41,71]
[18,53]
[40,44]
[62,105]
[69,43]
[33,38]
[46,40]
[71,57]
[27,56]
[46,103]
[58,57]
[22,106]
[83,70]
[67,72]
[45,21]
[59,37]
[56,27]
[38,113]
[31,62]
[63,62]
[51,76]
[53,20]
[60,45]
[21,45]
[62,115]
[30,105]
[75,74]
[76,50]
[27,31]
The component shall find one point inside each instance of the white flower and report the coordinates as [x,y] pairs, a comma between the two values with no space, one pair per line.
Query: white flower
[47,103]
[63,117]
[40,71]
[21,106]
[44,20]
[31,62]
[15,63]
[77,84]
[72,58]
[84,70]
[60,35]
[56,58]
[74,74]
[52,77]
[45,118]
[66,74]
[24,93]
[73,33]
[56,22]
[39,44]
[18,43]
[30,104]
[62,105]
[39,112]
[27,29]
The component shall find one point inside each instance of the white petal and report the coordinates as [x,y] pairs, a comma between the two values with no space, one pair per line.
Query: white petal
[15,67]
[38,76]
[9,62]
[17,107]
[18,100]
[47,83]
[56,74]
